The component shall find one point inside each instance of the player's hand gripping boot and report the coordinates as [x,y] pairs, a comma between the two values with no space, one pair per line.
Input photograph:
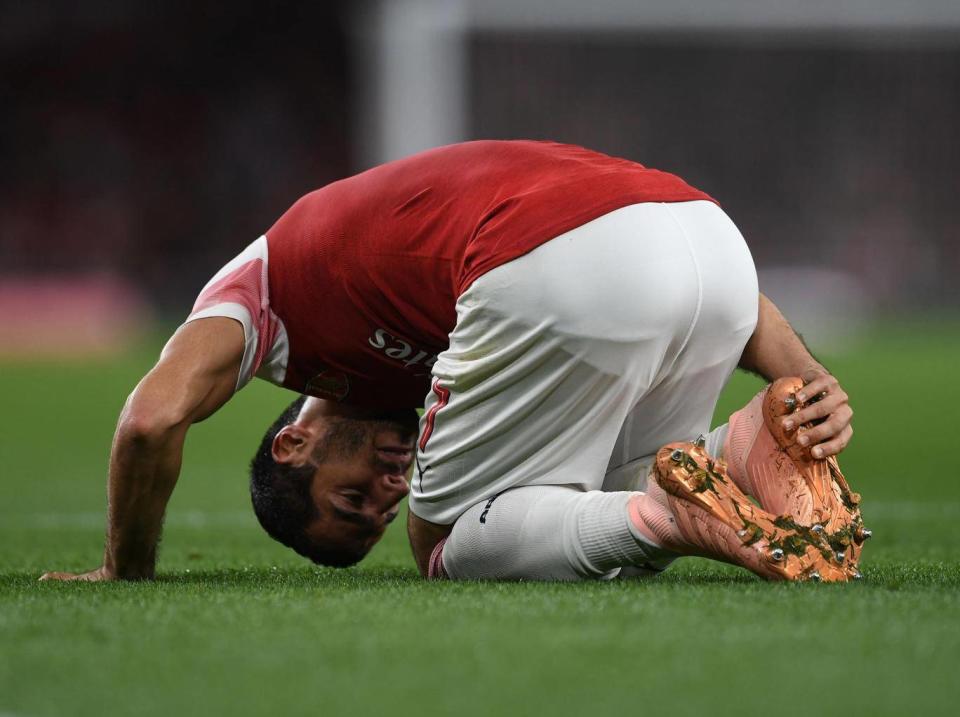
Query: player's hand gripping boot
[716,520]
[768,463]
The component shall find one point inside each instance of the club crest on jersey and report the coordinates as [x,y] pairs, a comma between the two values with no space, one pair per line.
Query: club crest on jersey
[331,385]
[412,357]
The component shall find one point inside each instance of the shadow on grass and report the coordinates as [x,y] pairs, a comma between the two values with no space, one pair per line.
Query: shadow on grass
[258,577]
[358,578]
[890,576]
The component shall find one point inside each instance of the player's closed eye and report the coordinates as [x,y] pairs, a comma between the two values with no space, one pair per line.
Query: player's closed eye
[354,498]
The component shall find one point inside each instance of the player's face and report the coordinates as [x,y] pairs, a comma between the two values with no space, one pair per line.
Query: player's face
[361,477]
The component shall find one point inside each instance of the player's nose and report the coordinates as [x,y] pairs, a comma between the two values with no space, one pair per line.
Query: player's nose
[396,485]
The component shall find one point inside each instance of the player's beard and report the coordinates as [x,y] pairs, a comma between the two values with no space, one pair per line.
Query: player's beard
[345,437]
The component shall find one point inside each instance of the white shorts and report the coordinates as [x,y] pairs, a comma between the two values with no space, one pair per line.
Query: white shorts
[589,352]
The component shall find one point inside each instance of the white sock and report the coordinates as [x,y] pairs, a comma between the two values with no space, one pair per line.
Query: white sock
[548,532]
[606,537]
[716,439]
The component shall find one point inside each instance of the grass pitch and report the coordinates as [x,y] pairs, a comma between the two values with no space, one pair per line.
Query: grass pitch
[237,625]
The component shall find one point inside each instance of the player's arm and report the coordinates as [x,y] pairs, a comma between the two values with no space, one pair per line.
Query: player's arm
[775,350]
[196,374]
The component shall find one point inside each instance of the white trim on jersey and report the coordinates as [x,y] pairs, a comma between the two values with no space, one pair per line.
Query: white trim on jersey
[273,366]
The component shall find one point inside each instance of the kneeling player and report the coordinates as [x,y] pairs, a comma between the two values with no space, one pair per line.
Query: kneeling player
[574,311]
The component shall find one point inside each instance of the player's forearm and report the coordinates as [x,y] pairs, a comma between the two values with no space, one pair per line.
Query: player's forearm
[196,374]
[144,466]
[775,350]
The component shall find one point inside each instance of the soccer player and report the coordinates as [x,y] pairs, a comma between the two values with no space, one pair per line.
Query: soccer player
[564,311]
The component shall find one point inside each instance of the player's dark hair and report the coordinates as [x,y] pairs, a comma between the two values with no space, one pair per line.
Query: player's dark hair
[283,503]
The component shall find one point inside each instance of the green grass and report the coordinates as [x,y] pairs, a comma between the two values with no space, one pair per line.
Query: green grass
[238,625]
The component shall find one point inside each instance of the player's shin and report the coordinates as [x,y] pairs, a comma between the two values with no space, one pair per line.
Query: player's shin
[550,533]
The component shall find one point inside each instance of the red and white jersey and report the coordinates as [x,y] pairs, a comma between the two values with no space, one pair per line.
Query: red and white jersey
[352,293]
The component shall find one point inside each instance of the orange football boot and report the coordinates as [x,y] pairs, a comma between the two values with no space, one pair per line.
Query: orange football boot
[716,520]
[768,463]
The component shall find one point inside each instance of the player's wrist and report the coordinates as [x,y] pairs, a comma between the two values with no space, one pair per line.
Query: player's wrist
[128,573]
[127,569]
[811,372]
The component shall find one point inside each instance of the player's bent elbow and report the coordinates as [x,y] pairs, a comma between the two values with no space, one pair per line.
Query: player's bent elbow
[148,424]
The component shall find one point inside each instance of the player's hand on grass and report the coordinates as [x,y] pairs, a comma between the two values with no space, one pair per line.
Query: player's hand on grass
[93,576]
[824,401]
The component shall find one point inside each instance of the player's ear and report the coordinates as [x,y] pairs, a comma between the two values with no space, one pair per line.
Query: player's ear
[291,445]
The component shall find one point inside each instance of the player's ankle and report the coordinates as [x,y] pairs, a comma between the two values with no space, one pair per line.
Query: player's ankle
[651,520]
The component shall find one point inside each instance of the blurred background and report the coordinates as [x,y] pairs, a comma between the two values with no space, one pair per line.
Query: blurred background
[143,144]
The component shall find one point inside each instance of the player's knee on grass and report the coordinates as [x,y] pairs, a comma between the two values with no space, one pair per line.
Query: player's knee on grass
[548,533]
